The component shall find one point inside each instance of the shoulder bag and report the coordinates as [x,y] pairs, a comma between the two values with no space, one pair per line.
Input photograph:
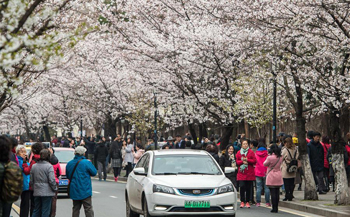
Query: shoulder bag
[73,176]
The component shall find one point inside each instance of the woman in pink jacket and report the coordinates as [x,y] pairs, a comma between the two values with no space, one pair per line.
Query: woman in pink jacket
[245,161]
[138,154]
[260,173]
[274,175]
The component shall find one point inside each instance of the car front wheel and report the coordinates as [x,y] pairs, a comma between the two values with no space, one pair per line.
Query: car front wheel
[129,212]
[145,209]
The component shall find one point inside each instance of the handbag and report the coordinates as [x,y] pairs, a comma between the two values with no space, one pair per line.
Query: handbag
[68,189]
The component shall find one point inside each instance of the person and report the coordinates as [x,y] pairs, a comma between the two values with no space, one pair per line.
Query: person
[213,151]
[4,159]
[90,145]
[80,190]
[331,170]
[150,145]
[13,144]
[326,145]
[26,205]
[274,175]
[289,152]
[347,147]
[260,173]
[246,161]
[129,158]
[170,142]
[253,145]
[228,160]
[42,178]
[179,143]
[138,154]
[115,157]
[57,170]
[101,153]
[316,155]
[309,136]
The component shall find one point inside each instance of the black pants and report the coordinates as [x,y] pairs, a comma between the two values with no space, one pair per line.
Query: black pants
[289,187]
[116,171]
[318,176]
[6,209]
[245,190]
[326,177]
[128,169]
[275,198]
[27,203]
[102,168]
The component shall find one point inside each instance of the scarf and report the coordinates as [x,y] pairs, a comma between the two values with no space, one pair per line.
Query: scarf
[243,166]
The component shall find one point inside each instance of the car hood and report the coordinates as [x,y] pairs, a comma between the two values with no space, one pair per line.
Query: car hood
[191,181]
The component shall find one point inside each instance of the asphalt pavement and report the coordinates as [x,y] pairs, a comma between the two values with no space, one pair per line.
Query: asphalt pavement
[108,200]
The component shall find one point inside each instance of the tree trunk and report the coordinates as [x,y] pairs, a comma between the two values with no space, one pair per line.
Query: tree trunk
[47,133]
[193,132]
[341,192]
[225,139]
[110,127]
[246,129]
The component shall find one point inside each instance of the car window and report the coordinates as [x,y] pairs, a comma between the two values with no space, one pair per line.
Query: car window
[64,156]
[141,162]
[184,164]
[146,166]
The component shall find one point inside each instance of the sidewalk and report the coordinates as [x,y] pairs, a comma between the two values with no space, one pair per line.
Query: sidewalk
[323,207]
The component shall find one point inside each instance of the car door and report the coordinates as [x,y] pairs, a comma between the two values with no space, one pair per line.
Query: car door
[132,180]
[139,182]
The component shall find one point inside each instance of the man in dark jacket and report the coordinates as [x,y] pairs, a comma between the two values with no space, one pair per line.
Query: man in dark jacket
[316,155]
[101,154]
[180,144]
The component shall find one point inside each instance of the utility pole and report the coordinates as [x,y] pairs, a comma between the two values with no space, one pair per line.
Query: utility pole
[274,108]
[81,124]
[155,121]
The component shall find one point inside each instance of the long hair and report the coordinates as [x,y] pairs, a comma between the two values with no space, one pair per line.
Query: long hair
[4,149]
[274,149]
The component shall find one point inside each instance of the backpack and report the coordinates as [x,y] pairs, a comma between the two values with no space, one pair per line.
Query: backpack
[293,165]
[12,183]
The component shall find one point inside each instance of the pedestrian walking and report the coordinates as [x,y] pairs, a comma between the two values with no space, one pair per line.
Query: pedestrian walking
[246,161]
[100,157]
[129,158]
[42,178]
[289,167]
[138,154]
[115,158]
[260,173]
[228,159]
[316,155]
[27,198]
[79,172]
[274,175]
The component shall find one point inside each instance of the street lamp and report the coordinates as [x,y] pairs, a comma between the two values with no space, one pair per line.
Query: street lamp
[274,117]
[155,121]
[81,123]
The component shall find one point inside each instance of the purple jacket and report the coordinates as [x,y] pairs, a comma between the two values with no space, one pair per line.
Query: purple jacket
[261,155]
[274,177]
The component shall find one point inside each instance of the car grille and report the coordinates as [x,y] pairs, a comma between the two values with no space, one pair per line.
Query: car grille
[183,209]
[192,192]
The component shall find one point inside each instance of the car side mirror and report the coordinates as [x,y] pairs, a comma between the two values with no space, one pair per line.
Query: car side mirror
[230,170]
[140,171]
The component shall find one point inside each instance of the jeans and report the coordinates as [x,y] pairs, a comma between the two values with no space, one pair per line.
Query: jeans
[318,176]
[289,186]
[260,182]
[245,190]
[27,204]
[87,203]
[42,206]
[275,198]
[102,168]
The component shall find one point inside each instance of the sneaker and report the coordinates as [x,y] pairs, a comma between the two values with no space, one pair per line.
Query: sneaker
[257,204]
[116,179]
[242,205]
[247,205]
[268,204]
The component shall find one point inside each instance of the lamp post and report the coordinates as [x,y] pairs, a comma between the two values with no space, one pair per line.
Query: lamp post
[274,117]
[81,124]
[155,121]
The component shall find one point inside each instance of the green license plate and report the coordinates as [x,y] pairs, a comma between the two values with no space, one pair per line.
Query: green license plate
[197,204]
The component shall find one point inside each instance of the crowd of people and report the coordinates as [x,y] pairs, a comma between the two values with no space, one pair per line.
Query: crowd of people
[268,169]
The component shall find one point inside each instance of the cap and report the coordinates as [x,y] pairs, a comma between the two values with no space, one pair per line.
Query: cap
[80,150]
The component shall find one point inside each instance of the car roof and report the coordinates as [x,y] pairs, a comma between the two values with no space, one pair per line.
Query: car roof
[63,149]
[179,152]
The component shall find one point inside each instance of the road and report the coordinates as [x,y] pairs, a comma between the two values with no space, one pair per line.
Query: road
[108,200]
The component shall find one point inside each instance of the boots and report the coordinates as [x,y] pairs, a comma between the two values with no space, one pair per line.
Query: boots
[274,208]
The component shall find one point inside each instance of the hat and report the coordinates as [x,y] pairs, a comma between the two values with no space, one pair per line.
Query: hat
[170,138]
[281,134]
[295,140]
[80,150]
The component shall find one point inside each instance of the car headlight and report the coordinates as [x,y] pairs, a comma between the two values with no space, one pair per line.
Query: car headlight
[163,189]
[225,189]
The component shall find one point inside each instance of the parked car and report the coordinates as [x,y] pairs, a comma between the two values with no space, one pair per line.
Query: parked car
[179,182]
[64,155]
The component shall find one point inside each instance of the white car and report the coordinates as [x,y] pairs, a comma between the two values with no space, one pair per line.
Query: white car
[179,182]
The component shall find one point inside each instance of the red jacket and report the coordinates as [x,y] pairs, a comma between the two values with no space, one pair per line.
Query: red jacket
[26,168]
[325,148]
[249,173]
[348,150]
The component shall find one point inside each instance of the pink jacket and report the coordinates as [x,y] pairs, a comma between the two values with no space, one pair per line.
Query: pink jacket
[248,174]
[138,155]
[261,155]
[274,177]
[57,171]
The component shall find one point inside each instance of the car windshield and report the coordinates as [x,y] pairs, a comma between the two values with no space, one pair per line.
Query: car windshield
[184,165]
[64,156]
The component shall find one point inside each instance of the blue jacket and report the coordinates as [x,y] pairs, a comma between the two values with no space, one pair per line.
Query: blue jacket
[26,178]
[80,185]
